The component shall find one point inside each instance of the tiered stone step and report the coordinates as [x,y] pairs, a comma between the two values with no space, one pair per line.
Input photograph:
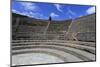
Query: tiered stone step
[40,52]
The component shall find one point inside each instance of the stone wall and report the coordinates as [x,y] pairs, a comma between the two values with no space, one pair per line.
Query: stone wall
[79,29]
[83,28]
[30,28]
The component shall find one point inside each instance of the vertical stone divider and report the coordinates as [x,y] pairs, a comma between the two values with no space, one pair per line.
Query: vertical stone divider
[68,32]
[45,31]
[77,31]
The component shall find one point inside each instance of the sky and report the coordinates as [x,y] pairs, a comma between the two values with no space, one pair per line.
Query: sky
[56,11]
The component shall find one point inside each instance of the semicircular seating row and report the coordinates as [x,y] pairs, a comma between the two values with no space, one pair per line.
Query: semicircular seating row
[26,52]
